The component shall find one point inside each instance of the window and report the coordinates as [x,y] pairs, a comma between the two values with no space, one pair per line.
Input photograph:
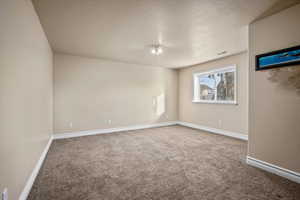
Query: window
[217,86]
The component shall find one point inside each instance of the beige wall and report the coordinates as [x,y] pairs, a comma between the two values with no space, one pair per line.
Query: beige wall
[275,101]
[89,92]
[227,117]
[26,93]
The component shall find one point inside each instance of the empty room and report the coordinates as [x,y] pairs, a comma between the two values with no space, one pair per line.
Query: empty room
[149,100]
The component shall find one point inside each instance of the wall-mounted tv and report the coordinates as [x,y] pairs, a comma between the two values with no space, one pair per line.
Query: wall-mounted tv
[281,58]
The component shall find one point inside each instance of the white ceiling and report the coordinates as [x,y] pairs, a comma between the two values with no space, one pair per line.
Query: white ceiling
[191,31]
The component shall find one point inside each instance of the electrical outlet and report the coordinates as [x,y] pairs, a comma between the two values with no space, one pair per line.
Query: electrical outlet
[220,123]
[109,121]
[167,116]
[71,124]
[5,194]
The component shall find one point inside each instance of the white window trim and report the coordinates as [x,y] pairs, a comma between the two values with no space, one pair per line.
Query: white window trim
[196,98]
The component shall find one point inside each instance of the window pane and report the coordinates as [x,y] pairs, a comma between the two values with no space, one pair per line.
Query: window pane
[207,87]
[225,86]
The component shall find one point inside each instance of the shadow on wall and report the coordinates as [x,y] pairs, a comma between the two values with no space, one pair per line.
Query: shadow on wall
[287,77]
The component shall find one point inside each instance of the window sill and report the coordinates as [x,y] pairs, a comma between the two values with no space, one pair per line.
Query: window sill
[216,102]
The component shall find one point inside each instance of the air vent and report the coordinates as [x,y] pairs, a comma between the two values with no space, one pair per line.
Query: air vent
[222,53]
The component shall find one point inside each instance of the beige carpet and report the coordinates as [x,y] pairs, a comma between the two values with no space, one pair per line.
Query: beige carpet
[171,163]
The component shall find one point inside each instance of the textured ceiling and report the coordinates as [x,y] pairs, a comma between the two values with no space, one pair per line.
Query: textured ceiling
[191,31]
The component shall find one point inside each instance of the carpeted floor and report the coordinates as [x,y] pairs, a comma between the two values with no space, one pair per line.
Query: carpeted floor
[173,163]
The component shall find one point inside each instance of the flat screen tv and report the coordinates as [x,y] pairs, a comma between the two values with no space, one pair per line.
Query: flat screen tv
[281,58]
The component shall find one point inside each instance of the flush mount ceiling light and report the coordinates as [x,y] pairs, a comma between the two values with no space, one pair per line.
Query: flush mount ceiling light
[156,50]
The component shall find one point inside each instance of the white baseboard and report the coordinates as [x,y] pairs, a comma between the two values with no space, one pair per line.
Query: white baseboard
[214,130]
[111,130]
[288,174]
[137,127]
[35,172]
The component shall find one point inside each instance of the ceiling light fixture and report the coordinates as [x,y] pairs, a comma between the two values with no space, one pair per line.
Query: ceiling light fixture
[156,50]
